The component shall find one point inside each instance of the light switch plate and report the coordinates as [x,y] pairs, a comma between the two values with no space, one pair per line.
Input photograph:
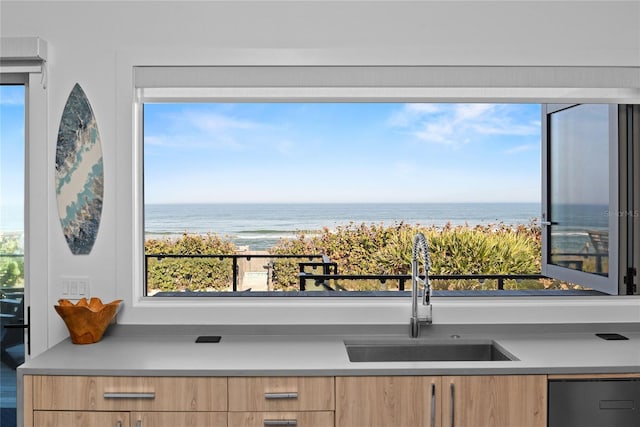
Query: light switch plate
[74,287]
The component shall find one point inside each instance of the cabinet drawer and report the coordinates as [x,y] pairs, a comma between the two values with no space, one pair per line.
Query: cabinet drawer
[129,393]
[80,419]
[182,419]
[256,394]
[275,419]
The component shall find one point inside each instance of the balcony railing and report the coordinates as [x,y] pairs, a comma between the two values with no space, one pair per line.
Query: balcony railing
[325,262]
[329,279]
[324,279]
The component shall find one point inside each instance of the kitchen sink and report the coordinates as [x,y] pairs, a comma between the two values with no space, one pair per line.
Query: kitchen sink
[427,352]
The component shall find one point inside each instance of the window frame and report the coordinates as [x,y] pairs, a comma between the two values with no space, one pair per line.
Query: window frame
[609,283]
[23,60]
[559,84]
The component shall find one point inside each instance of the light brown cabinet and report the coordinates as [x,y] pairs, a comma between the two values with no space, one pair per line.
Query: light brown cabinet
[461,401]
[280,401]
[126,419]
[372,401]
[89,393]
[387,401]
[281,394]
[182,419]
[298,419]
[80,418]
[494,400]
[86,401]
[72,401]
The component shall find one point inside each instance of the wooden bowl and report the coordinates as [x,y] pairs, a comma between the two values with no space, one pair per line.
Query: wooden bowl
[86,320]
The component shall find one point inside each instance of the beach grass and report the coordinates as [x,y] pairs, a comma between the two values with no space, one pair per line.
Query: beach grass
[363,249]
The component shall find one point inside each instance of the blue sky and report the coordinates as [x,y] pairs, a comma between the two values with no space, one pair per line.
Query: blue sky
[11,156]
[341,152]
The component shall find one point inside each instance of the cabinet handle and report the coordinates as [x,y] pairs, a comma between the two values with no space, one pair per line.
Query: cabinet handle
[278,396]
[267,423]
[129,395]
[452,388]
[433,405]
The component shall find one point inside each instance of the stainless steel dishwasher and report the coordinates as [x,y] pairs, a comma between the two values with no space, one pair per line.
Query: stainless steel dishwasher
[594,403]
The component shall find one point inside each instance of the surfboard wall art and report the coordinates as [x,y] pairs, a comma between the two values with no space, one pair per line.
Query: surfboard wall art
[79,173]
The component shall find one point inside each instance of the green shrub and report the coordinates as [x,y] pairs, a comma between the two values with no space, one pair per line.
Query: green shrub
[384,250]
[189,274]
[365,249]
[11,267]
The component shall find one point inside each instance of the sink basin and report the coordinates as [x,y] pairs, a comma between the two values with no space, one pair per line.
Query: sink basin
[427,352]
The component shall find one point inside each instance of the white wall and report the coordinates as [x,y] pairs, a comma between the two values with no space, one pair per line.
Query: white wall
[86,39]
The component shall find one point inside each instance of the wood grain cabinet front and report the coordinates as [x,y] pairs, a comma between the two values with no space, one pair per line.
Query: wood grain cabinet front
[181,419]
[494,401]
[80,419]
[281,401]
[461,401]
[281,419]
[371,401]
[95,393]
[249,394]
[385,401]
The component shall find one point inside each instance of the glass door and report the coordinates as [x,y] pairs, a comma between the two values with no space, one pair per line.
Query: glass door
[12,173]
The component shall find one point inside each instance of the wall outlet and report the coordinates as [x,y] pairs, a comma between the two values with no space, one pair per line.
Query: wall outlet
[74,287]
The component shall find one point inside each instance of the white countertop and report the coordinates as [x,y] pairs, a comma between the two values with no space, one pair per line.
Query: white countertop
[156,350]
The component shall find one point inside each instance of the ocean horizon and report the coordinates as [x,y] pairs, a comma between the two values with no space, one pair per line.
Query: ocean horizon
[259,226]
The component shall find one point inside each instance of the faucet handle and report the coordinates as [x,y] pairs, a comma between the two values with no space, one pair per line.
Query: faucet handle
[426,291]
[425,313]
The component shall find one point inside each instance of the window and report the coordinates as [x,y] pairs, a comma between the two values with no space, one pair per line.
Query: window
[161,90]
[590,207]
[23,63]
[580,202]
[262,175]
[12,259]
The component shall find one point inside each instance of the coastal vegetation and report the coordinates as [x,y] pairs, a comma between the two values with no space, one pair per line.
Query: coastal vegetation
[189,274]
[11,261]
[375,249]
[363,249]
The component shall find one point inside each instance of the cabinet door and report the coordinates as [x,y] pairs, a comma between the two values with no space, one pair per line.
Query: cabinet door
[80,419]
[98,393]
[182,419]
[494,401]
[252,394]
[299,419]
[387,401]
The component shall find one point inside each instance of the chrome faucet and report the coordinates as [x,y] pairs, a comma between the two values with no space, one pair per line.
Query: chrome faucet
[420,248]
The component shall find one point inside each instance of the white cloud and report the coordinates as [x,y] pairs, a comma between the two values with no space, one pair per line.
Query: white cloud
[440,131]
[411,112]
[11,98]
[194,129]
[192,140]
[505,128]
[471,111]
[522,148]
[456,124]
[216,122]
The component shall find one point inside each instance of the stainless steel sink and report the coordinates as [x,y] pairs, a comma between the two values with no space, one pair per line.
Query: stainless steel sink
[427,352]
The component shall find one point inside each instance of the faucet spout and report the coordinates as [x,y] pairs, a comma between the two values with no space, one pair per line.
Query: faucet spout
[420,255]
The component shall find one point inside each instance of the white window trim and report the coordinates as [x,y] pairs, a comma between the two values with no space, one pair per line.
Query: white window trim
[605,87]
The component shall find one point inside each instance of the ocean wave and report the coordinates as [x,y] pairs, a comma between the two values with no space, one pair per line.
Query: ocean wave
[268,232]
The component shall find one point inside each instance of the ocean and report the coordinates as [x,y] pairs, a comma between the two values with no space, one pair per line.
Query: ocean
[261,226]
